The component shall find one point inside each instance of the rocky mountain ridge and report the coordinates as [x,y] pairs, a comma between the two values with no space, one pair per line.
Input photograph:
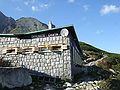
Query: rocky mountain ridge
[6,23]
[22,25]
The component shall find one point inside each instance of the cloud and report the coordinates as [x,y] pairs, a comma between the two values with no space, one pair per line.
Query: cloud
[86,7]
[18,9]
[43,5]
[37,5]
[99,32]
[34,8]
[71,1]
[30,2]
[106,9]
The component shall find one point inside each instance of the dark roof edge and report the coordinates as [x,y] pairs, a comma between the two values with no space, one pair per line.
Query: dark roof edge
[18,34]
[77,42]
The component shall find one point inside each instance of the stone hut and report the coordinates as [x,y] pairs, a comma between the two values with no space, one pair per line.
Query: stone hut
[54,52]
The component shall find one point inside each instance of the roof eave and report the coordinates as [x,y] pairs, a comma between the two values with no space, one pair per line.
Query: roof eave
[33,32]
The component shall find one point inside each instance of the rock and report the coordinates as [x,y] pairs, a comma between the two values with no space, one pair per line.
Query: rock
[31,88]
[78,87]
[22,25]
[12,77]
[75,85]
[70,89]
[83,83]
[48,87]
[7,23]
[90,82]
[67,84]
[87,85]
[97,88]
[111,70]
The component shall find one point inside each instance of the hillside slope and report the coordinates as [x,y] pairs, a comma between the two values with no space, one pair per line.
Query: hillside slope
[105,61]
[22,25]
[6,23]
[92,52]
[87,47]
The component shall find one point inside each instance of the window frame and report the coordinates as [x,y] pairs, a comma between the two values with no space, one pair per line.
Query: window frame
[43,46]
[16,50]
[33,49]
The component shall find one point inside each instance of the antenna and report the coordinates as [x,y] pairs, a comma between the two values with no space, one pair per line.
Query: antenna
[49,25]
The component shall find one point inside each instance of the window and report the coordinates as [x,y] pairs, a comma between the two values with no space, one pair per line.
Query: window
[52,47]
[28,50]
[44,48]
[11,50]
[58,47]
[32,49]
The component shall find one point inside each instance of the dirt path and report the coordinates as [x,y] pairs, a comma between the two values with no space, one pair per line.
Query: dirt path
[94,62]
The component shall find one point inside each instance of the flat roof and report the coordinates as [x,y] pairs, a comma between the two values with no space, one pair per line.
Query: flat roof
[33,32]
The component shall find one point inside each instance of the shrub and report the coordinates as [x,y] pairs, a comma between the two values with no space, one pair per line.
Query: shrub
[87,47]
[116,67]
[113,59]
[118,76]
[93,54]
[67,80]
[105,85]
[110,84]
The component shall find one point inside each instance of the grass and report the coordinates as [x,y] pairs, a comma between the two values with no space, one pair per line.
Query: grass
[87,47]
[92,52]
[110,84]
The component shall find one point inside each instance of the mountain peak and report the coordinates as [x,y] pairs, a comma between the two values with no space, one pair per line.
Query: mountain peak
[22,25]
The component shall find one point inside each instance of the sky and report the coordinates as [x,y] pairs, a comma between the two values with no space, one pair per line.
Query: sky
[96,22]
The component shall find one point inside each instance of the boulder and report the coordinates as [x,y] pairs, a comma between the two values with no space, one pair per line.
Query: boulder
[70,88]
[12,77]
[67,84]
[48,87]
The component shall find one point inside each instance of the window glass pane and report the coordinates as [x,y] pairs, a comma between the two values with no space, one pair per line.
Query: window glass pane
[28,50]
[56,47]
[44,48]
[11,51]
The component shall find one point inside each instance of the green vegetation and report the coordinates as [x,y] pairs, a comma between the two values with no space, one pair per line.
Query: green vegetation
[110,84]
[113,59]
[92,52]
[65,80]
[88,47]
[116,67]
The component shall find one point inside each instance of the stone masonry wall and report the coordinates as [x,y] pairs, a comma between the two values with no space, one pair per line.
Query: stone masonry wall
[50,63]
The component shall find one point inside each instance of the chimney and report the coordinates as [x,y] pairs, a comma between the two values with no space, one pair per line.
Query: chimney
[50,25]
